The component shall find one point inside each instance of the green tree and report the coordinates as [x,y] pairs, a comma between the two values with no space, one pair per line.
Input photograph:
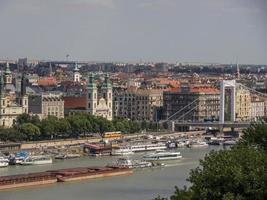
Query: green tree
[256,135]
[236,174]
[30,131]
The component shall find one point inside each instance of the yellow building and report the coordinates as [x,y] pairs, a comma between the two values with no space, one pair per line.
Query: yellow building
[12,105]
[243,104]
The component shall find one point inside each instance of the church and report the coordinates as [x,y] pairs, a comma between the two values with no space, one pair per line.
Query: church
[12,103]
[99,99]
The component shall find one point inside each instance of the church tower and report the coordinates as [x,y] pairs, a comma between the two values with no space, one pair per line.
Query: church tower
[106,90]
[76,74]
[8,74]
[2,101]
[23,96]
[91,95]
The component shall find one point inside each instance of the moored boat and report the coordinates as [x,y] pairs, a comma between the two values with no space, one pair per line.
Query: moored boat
[67,156]
[121,151]
[148,147]
[3,161]
[162,155]
[198,144]
[18,158]
[123,162]
[37,160]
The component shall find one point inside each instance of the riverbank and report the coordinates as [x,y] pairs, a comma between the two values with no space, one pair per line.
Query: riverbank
[143,184]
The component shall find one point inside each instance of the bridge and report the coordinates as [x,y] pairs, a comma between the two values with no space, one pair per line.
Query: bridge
[177,119]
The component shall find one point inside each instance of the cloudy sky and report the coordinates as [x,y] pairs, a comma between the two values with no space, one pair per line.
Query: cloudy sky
[223,31]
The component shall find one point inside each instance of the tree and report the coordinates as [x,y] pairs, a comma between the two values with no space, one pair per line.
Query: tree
[48,127]
[256,135]
[236,174]
[30,131]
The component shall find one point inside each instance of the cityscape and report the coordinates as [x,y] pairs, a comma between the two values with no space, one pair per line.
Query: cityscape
[124,129]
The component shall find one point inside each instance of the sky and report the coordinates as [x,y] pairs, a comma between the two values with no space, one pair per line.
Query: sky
[217,31]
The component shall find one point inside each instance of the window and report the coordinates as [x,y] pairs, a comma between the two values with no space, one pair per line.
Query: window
[89,95]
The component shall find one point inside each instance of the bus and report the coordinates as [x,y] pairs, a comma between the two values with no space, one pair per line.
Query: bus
[112,135]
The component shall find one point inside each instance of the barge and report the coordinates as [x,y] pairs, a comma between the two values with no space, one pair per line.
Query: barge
[75,174]
[61,175]
[24,180]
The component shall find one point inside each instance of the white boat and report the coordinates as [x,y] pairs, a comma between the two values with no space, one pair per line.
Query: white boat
[67,156]
[18,158]
[122,151]
[123,162]
[162,155]
[198,144]
[3,162]
[37,160]
[148,147]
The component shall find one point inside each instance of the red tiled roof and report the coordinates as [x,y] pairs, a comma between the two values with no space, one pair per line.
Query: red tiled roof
[75,102]
[49,81]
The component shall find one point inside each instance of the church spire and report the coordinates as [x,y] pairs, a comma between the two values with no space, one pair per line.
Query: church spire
[23,85]
[2,92]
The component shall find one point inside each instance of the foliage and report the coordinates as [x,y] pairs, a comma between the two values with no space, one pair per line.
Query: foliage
[32,128]
[256,135]
[30,131]
[239,173]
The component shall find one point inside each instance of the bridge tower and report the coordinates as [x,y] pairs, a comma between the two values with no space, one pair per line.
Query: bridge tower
[227,84]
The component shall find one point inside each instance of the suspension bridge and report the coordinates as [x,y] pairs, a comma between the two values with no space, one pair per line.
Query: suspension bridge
[177,119]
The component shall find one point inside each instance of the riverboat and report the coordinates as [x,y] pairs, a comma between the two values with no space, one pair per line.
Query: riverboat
[67,156]
[18,158]
[3,161]
[37,160]
[162,155]
[198,144]
[123,162]
[148,147]
[121,151]
[24,180]
[66,175]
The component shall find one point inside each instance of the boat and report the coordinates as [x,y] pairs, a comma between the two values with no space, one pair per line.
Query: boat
[162,155]
[123,162]
[229,142]
[61,175]
[67,156]
[148,147]
[18,158]
[83,173]
[37,160]
[198,144]
[3,162]
[24,180]
[121,151]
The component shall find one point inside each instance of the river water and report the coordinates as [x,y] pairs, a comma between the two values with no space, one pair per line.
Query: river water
[144,184]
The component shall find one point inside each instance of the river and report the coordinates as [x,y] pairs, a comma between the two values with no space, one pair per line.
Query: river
[144,184]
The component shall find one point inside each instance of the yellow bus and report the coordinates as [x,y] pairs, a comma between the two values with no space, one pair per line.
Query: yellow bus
[112,135]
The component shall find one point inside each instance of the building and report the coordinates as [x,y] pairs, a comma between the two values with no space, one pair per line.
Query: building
[11,104]
[242,104]
[46,104]
[99,99]
[138,104]
[257,107]
[76,74]
[191,102]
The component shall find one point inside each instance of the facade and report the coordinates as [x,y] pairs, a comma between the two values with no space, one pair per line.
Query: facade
[99,99]
[242,104]
[11,104]
[192,103]
[46,104]
[257,108]
[76,74]
[138,104]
